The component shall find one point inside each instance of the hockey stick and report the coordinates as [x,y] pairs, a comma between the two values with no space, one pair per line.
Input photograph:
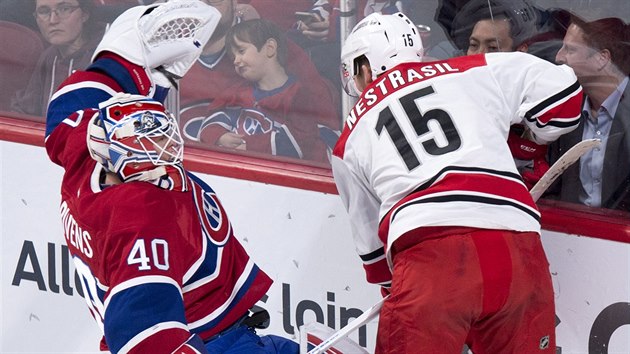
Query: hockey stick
[367,316]
[566,160]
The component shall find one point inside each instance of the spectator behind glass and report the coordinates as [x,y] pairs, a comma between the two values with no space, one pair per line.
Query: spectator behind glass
[71,30]
[274,112]
[493,35]
[599,53]
[540,30]
[213,78]
[484,26]
[319,35]
[282,13]
[213,74]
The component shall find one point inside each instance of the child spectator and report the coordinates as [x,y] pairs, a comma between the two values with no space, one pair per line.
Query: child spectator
[71,29]
[213,80]
[213,66]
[272,112]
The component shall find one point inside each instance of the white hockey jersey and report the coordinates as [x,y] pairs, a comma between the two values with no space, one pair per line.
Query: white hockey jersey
[425,145]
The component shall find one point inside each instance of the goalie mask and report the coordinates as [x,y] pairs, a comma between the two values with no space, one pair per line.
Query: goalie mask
[166,38]
[385,40]
[139,140]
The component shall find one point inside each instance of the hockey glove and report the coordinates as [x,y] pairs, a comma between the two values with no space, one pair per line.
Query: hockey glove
[385,291]
[524,149]
[531,176]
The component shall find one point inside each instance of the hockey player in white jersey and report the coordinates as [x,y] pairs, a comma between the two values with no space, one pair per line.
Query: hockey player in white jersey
[440,215]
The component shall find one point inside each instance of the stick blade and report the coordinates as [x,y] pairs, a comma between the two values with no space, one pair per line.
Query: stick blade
[566,160]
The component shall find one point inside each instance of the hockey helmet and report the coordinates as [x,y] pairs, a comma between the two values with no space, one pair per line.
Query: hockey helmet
[385,40]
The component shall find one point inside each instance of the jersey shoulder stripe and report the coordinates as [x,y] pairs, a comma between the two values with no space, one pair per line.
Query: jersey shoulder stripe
[561,110]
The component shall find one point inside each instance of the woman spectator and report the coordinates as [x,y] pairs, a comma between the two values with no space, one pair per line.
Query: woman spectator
[72,31]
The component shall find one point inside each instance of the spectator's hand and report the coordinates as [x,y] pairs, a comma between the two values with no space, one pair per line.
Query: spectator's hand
[315,30]
[233,141]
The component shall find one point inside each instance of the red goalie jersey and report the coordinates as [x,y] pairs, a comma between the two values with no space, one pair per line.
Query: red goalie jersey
[156,266]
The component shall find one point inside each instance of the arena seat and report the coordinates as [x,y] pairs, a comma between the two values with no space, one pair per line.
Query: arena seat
[21,48]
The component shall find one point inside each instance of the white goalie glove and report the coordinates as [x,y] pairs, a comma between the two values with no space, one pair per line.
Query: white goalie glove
[166,38]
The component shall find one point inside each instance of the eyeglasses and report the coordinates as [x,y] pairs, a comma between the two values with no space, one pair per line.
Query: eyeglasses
[63,11]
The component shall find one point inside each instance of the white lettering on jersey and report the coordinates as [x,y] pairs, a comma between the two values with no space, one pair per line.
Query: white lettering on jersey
[75,235]
[370,97]
[381,86]
[394,80]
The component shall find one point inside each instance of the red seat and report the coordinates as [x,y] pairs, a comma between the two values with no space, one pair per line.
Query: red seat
[19,53]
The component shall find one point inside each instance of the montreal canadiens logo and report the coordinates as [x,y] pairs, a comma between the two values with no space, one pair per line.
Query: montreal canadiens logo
[212,211]
[212,216]
[253,122]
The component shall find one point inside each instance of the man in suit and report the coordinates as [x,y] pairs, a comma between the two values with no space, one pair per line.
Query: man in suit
[599,53]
